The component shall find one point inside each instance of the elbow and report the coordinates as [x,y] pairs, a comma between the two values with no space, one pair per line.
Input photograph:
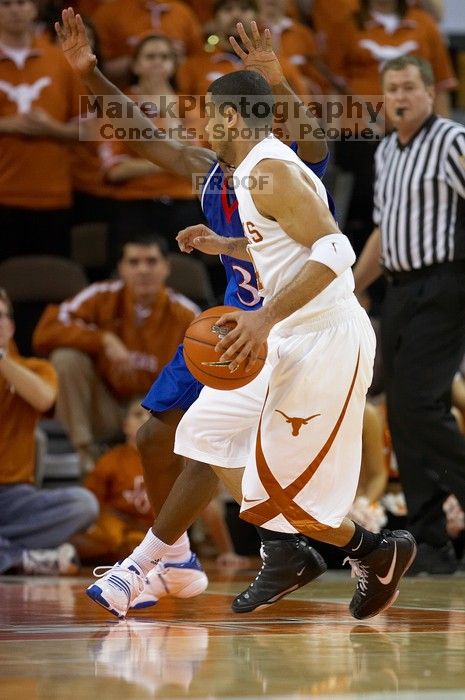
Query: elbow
[45,401]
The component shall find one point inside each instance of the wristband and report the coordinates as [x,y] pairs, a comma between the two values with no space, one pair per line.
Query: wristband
[334,251]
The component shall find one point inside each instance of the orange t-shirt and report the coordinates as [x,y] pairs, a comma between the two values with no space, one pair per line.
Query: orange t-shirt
[18,420]
[330,18]
[196,74]
[297,44]
[151,335]
[358,54]
[87,7]
[118,483]
[120,24]
[36,171]
[154,186]
[87,171]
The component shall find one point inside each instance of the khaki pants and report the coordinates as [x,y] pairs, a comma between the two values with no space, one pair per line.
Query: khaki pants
[85,405]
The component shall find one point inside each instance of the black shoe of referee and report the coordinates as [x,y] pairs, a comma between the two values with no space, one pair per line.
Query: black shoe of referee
[287,566]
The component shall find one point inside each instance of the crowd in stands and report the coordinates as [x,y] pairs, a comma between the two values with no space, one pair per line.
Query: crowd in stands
[101,349]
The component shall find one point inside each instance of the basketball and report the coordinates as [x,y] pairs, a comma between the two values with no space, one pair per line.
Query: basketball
[202,360]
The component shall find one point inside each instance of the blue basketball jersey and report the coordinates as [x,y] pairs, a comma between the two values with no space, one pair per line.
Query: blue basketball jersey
[219,205]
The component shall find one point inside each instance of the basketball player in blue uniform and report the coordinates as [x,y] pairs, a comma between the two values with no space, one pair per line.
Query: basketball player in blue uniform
[288,560]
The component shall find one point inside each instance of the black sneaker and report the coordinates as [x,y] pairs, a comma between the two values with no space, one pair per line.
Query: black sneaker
[380,572]
[434,560]
[287,566]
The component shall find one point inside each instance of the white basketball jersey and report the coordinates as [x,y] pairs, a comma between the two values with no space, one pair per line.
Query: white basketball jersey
[277,257]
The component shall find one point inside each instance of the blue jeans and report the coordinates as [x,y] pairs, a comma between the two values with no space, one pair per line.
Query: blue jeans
[32,518]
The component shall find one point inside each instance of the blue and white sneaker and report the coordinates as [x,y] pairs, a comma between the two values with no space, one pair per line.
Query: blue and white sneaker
[117,588]
[181,580]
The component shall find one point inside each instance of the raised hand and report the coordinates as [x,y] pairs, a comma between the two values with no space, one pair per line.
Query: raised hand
[258,53]
[75,43]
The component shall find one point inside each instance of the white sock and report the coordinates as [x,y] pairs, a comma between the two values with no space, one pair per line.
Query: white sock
[147,554]
[179,551]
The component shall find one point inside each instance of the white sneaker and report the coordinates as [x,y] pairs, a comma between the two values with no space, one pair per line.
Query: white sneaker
[117,588]
[181,580]
[61,561]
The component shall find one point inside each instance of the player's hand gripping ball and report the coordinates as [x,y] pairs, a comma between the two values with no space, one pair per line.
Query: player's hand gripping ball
[203,361]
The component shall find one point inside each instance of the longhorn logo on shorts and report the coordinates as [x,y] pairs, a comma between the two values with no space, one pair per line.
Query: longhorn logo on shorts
[297,423]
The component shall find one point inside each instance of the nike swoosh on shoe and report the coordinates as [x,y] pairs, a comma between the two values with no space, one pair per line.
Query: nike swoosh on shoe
[386,580]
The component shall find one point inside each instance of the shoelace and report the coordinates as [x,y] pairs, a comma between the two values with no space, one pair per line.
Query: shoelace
[263,555]
[115,569]
[360,571]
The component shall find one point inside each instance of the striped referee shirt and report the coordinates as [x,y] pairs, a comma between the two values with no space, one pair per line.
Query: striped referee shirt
[420,196]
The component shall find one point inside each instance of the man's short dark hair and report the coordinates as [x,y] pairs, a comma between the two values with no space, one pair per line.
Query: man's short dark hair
[144,238]
[248,93]
[7,301]
[426,71]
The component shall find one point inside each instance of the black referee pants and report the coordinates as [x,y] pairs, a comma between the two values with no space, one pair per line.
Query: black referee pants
[423,341]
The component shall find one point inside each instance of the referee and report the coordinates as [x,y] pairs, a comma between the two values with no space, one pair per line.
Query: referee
[419,244]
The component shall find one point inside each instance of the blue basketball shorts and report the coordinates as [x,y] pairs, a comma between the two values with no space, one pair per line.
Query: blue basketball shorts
[175,387]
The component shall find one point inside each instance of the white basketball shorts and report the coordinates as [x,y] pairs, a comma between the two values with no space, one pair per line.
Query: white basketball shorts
[297,427]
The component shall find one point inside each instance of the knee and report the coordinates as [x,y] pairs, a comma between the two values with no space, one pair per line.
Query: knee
[84,507]
[154,435]
[69,360]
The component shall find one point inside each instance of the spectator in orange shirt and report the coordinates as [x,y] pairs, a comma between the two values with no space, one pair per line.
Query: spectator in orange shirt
[38,101]
[146,195]
[35,525]
[295,41]
[121,24]
[385,29]
[381,30]
[196,74]
[110,342]
[117,481]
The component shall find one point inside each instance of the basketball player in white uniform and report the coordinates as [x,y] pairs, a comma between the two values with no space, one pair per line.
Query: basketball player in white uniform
[298,425]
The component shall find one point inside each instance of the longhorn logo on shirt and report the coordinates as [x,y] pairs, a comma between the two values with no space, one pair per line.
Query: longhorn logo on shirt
[384,53]
[23,95]
[297,423]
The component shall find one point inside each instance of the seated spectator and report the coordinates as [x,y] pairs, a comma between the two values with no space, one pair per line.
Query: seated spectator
[38,103]
[145,194]
[118,483]
[121,24]
[196,74]
[35,525]
[125,514]
[110,341]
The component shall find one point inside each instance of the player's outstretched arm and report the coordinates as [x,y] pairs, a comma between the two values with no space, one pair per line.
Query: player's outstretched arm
[257,54]
[171,155]
[202,238]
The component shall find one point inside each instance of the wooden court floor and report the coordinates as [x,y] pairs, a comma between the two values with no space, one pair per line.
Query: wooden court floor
[55,643]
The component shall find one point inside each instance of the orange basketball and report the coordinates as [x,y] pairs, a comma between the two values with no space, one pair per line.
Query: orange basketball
[203,361]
